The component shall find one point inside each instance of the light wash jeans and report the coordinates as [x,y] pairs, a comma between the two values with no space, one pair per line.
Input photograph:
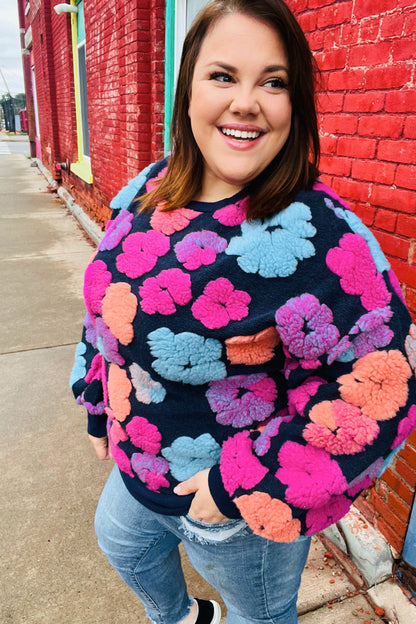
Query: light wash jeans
[257,579]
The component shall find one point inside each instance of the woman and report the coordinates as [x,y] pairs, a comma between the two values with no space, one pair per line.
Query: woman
[244,347]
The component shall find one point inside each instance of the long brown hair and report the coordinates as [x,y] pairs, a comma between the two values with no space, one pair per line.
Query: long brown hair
[295,167]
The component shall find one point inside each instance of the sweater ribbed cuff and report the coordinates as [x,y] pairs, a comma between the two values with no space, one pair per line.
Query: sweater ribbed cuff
[97,425]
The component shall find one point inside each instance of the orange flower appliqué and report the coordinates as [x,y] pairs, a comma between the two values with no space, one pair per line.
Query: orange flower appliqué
[377,384]
[119,309]
[268,517]
[119,388]
[255,349]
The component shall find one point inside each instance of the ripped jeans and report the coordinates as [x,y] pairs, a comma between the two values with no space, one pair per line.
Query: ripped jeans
[257,579]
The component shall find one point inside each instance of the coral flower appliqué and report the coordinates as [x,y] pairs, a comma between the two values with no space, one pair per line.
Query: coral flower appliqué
[377,384]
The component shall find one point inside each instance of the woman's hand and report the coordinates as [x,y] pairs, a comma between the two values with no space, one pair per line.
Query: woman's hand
[203,507]
[101,447]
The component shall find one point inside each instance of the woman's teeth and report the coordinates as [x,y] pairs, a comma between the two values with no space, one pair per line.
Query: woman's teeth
[244,135]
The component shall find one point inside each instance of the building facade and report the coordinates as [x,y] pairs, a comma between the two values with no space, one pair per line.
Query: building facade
[99,85]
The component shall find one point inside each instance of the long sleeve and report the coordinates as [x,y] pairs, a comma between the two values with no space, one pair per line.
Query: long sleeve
[348,351]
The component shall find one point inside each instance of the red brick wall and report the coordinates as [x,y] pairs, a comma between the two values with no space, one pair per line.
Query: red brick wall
[125,75]
[367,102]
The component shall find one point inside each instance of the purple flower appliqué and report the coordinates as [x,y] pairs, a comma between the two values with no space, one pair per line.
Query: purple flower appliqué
[161,293]
[199,248]
[372,332]
[117,229]
[262,444]
[220,303]
[141,251]
[305,327]
[150,470]
[144,435]
[241,400]
[311,475]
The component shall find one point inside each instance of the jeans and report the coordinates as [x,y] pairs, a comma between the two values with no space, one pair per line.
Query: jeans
[257,579]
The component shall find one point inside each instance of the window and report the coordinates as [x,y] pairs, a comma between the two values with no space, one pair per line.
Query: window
[179,17]
[82,168]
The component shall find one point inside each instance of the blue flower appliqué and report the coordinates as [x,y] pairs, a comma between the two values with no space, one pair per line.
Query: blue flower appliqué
[186,357]
[274,246]
[124,197]
[79,369]
[187,456]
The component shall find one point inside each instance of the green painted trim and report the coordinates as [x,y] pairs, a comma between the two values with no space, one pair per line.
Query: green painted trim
[169,69]
[82,170]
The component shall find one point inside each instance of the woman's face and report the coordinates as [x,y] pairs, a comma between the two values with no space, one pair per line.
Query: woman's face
[240,108]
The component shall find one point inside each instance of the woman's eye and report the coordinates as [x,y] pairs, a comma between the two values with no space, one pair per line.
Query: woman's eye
[276,83]
[221,77]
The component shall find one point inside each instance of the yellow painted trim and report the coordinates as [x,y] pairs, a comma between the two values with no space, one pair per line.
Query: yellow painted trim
[83,170]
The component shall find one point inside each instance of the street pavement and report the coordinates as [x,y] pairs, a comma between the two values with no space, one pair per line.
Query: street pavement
[51,570]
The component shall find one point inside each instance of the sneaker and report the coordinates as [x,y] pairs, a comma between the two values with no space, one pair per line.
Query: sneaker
[209,612]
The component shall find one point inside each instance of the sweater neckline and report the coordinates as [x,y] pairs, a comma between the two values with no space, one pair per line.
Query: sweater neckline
[212,206]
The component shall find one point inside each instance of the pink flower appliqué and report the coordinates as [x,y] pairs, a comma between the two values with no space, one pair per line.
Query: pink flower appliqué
[239,467]
[240,410]
[305,326]
[119,388]
[150,470]
[173,221]
[220,303]
[299,397]
[153,182]
[234,214]
[144,435]
[353,263]
[268,517]
[311,475]
[340,428]
[405,428]
[119,309]
[96,281]
[161,293]
[117,229]
[141,252]
[377,384]
[199,248]
[117,433]
[323,517]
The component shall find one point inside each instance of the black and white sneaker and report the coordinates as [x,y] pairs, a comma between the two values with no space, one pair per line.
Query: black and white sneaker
[209,612]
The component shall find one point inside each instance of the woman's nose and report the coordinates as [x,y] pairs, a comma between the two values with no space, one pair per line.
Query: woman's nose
[244,102]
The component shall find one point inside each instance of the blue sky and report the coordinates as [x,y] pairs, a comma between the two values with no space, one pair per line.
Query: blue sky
[10,55]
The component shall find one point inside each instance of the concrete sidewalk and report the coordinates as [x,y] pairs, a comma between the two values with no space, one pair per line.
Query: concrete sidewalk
[50,568]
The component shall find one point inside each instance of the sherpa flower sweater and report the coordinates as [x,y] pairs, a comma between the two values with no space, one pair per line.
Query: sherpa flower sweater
[277,353]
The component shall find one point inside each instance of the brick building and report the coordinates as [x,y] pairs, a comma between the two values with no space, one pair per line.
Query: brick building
[99,85]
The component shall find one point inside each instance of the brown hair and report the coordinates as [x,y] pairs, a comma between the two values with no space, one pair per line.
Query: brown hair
[295,167]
